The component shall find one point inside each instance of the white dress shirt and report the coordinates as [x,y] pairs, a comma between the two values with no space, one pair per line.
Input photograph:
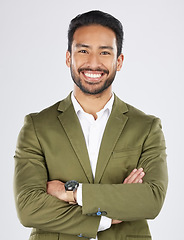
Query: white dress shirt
[93,132]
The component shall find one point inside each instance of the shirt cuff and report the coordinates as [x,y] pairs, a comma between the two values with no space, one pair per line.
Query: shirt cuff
[79,194]
[105,223]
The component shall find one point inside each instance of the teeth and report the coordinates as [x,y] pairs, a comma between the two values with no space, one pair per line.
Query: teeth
[91,75]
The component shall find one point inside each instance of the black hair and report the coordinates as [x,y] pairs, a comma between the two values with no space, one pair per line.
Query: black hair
[100,18]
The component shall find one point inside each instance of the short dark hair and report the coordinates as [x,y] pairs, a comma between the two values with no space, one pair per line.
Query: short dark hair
[100,18]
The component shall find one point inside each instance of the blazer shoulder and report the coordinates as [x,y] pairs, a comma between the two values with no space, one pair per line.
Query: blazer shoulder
[138,118]
[130,110]
[47,112]
[136,113]
[51,112]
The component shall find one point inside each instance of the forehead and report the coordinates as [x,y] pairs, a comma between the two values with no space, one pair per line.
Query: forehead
[94,35]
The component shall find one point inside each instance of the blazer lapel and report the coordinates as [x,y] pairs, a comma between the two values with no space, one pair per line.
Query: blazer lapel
[114,127]
[71,125]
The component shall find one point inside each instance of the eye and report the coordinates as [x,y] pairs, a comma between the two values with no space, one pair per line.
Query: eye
[105,53]
[83,51]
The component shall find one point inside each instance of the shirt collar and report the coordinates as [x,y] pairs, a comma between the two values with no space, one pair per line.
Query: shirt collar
[78,108]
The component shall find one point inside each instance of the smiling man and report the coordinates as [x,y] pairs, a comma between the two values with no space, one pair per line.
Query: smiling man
[91,166]
[93,59]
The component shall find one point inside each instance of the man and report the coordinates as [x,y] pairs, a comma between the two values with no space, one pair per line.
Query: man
[79,164]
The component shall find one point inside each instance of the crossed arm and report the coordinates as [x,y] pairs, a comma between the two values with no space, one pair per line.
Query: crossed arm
[56,188]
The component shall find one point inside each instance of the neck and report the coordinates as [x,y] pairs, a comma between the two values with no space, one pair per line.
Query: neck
[93,103]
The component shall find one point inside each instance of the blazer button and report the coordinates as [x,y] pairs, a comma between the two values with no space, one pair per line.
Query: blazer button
[99,213]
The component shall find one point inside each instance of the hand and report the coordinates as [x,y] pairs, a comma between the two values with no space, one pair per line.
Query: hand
[135,176]
[57,189]
[115,221]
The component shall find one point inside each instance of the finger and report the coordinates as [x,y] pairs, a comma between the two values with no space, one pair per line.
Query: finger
[135,176]
[139,179]
[138,176]
[130,176]
[114,221]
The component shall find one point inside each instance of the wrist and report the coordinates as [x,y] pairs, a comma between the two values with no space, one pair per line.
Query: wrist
[75,195]
[70,197]
[71,191]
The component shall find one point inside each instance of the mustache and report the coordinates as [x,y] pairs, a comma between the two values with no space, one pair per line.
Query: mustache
[90,69]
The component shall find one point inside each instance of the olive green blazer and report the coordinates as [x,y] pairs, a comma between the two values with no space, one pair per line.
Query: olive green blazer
[51,146]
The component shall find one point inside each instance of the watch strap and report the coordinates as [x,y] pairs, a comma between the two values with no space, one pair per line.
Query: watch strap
[71,197]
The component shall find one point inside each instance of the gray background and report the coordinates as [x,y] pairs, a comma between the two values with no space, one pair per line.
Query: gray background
[33,75]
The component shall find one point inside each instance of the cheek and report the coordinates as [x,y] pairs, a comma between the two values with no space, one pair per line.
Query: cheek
[111,64]
[78,62]
[74,65]
[113,68]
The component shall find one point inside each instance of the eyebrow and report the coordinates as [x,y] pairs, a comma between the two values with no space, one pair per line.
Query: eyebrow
[78,45]
[106,47]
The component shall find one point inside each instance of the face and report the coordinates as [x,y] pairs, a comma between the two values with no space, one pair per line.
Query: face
[93,59]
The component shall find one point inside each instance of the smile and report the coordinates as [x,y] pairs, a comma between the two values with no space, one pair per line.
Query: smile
[93,75]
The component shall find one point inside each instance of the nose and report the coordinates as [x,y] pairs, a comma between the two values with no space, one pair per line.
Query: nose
[93,61]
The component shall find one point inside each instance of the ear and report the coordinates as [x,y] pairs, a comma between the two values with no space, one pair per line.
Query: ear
[120,62]
[68,58]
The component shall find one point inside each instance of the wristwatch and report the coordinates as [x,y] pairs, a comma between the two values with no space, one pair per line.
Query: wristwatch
[70,188]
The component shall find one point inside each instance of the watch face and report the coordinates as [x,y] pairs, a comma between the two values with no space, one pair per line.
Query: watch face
[71,185]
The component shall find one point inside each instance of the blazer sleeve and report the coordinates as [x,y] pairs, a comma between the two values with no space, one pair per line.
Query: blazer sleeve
[35,207]
[130,202]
